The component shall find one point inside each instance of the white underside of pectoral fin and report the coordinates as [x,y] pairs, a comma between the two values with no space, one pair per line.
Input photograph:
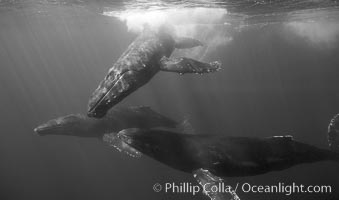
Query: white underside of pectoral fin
[185,65]
[209,182]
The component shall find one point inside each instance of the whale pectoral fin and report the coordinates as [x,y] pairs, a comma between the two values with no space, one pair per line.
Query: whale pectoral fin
[112,140]
[186,43]
[187,65]
[207,180]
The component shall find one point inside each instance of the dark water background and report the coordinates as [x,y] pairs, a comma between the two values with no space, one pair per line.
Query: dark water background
[52,56]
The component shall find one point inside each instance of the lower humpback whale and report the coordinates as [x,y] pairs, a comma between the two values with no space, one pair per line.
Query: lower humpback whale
[107,127]
[224,156]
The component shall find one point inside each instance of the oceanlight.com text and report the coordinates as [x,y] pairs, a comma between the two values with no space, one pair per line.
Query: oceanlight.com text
[279,188]
[287,189]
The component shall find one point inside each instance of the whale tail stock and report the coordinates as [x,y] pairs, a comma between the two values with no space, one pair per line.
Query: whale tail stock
[324,154]
[333,134]
[312,153]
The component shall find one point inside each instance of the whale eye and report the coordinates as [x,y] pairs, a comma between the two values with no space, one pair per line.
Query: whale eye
[70,118]
[156,149]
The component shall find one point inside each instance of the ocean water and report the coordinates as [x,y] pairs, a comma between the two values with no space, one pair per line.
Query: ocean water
[279,76]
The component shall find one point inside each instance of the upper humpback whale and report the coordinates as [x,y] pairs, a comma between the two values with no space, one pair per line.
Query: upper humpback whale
[107,127]
[147,55]
[224,156]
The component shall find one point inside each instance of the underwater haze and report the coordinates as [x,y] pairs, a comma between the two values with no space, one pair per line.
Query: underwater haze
[279,76]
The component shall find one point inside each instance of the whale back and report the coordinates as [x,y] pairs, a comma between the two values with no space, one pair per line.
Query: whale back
[226,156]
[133,117]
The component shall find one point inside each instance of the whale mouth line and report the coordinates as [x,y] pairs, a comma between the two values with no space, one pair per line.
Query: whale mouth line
[38,130]
[101,98]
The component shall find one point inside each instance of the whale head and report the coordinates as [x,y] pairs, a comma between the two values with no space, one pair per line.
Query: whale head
[72,125]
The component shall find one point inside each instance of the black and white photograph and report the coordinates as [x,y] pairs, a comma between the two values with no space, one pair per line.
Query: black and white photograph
[157,100]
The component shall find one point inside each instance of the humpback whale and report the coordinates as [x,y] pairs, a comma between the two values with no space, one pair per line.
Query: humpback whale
[224,156]
[107,127]
[148,54]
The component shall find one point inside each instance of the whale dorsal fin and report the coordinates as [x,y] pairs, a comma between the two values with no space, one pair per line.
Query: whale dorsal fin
[142,108]
[186,127]
[283,137]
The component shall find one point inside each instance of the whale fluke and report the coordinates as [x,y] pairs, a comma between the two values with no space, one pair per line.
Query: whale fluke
[333,133]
